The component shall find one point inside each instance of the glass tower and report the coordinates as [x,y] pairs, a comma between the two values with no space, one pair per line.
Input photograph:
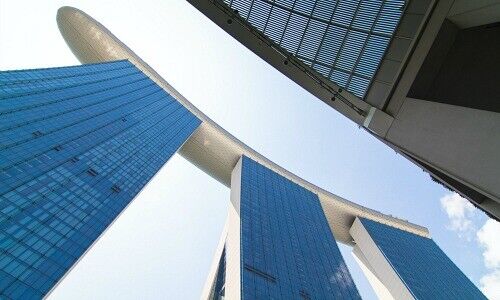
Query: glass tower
[279,244]
[76,146]
[410,266]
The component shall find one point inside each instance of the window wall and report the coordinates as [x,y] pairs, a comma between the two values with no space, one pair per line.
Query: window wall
[421,265]
[287,248]
[76,146]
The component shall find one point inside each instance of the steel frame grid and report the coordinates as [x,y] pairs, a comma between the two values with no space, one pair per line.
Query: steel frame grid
[364,35]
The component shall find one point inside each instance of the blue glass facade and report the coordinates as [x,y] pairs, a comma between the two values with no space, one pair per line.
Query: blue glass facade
[423,267]
[76,146]
[287,248]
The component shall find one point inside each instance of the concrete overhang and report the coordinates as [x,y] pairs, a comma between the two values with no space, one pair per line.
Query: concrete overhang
[211,148]
[441,52]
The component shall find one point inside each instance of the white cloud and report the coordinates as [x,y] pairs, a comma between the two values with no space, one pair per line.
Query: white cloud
[461,214]
[460,211]
[489,237]
[490,285]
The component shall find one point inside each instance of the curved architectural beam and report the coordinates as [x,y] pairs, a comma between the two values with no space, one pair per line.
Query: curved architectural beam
[211,148]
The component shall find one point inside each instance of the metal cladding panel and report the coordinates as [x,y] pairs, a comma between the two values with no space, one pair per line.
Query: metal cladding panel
[76,146]
[421,265]
[342,40]
[287,248]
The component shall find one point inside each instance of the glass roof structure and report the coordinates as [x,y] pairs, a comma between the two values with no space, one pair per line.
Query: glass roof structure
[343,40]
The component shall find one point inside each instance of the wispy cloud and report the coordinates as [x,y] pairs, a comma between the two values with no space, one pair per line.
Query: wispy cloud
[461,214]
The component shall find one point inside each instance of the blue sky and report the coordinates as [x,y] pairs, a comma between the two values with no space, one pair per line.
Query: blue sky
[162,245]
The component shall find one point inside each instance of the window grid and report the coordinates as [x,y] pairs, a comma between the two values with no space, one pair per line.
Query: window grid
[419,262]
[287,248]
[75,150]
[337,38]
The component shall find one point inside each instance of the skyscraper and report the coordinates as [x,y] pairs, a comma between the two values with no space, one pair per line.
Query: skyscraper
[404,70]
[414,267]
[78,143]
[278,243]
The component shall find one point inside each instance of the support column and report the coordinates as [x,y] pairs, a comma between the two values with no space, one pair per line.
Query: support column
[224,279]
[233,242]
